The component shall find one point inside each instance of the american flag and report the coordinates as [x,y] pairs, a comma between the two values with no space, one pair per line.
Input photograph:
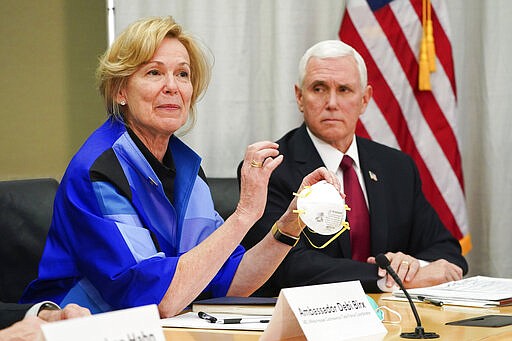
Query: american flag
[422,123]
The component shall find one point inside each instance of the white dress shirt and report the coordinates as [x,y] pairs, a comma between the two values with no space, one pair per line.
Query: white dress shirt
[332,159]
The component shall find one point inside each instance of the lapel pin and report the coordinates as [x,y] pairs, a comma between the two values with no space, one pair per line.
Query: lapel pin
[372,176]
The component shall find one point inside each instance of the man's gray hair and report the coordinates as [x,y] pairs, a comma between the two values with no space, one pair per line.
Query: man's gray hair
[330,49]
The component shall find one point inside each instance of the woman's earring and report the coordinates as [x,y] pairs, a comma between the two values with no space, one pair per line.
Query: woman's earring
[122,102]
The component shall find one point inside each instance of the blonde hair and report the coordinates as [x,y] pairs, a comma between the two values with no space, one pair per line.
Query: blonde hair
[135,46]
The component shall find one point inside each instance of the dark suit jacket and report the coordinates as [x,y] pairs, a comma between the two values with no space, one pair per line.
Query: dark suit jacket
[11,313]
[401,219]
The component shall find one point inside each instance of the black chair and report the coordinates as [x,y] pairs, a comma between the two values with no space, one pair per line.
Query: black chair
[225,194]
[26,208]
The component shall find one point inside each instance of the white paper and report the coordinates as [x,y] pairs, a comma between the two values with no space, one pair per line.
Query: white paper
[191,320]
[478,291]
[471,304]
[141,323]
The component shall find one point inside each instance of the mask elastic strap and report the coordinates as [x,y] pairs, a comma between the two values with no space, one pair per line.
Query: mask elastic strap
[392,312]
[345,227]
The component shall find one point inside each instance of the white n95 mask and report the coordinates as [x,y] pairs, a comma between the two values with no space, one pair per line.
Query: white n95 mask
[322,208]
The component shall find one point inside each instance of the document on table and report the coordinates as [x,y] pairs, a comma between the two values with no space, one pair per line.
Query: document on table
[192,320]
[449,305]
[477,291]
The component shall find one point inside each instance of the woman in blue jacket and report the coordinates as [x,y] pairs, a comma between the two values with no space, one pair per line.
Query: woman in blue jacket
[133,220]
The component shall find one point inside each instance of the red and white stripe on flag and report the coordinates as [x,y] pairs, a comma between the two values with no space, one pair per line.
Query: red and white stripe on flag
[387,33]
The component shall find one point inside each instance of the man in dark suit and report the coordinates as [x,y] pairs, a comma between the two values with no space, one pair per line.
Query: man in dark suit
[332,93]
[23,321]
[12,312]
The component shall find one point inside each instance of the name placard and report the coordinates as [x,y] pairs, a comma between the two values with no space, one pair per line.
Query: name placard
[337,311]
[134,324]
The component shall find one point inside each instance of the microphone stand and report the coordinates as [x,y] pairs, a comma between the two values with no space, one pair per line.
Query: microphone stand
[419,332]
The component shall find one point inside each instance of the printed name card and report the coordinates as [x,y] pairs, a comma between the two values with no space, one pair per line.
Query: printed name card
[337,311]
[134,324]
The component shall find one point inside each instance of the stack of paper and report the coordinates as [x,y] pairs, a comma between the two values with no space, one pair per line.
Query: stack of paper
[478,291]
[236,305]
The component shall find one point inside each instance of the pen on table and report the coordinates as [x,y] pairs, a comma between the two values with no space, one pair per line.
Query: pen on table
[213,319]
[431,301]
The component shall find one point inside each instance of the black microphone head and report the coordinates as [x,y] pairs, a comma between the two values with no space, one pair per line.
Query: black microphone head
[382,261]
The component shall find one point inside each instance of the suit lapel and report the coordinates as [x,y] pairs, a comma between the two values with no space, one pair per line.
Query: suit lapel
[305,153]
[375,189]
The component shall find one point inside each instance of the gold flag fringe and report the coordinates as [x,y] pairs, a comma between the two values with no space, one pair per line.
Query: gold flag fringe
[427,60]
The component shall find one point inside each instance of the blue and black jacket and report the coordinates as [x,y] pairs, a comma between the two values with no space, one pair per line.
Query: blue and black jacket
[115,238]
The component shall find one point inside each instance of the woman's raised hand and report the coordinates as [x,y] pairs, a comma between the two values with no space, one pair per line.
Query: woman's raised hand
[261,158]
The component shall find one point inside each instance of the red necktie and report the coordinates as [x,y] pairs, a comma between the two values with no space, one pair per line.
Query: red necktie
[358,216]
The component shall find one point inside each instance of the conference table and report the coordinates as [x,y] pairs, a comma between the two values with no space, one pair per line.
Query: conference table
[433,319]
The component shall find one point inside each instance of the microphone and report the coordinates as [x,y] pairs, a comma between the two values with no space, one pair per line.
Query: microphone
[419,332]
